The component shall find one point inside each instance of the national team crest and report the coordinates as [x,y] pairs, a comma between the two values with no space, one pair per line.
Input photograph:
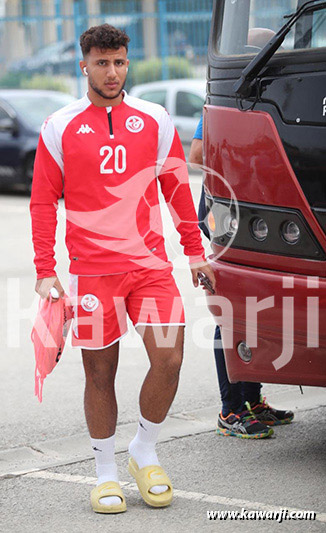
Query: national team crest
[134,124]
[89,302]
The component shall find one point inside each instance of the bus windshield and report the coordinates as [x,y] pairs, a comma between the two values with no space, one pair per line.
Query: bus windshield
[245,26]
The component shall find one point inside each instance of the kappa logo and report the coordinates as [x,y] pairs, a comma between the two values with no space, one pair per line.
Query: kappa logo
[85,128]
[89,302]
[134,124]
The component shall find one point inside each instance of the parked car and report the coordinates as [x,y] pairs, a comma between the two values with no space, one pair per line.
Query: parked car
[55,58]
[22,113]
[183,99]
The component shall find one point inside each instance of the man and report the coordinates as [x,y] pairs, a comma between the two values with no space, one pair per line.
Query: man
[245,413]
[109,150]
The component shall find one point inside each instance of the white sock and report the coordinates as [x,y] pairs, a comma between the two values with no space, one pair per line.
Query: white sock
[142,448]
[106,469]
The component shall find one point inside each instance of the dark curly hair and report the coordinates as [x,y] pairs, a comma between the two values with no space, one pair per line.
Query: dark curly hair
[103,37]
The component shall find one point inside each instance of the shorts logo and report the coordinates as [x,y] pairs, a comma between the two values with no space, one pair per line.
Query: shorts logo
[89,302]
[134,124]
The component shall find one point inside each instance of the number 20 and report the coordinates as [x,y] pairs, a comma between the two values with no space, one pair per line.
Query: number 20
[120,159]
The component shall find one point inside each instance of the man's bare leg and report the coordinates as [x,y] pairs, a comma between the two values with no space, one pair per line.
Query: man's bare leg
[101,411]
[161,383]
[99,400]
[157,393]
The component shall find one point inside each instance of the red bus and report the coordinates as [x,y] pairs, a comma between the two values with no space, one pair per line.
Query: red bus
[264,139]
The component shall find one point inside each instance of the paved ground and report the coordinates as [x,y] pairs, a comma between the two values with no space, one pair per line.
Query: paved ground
[209,473]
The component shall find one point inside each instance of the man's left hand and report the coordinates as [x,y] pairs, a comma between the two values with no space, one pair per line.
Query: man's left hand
[207,270]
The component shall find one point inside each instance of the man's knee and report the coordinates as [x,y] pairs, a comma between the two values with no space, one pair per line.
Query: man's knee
[99,372]
[101,381]
[171,363]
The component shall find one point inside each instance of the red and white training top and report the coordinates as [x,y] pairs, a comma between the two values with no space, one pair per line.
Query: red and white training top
[108,161]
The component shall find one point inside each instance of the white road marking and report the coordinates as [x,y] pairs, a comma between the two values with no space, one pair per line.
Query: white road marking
[192,496]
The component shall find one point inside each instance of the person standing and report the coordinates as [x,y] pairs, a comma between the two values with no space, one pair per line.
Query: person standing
[109,151]
[245,412]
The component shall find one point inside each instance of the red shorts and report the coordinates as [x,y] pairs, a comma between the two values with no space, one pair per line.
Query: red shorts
[101,305]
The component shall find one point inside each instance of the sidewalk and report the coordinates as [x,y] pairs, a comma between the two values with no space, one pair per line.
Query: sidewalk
[209,473]
[69,450]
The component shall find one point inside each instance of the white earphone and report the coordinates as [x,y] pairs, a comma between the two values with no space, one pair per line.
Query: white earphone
[85,71]
[127,69]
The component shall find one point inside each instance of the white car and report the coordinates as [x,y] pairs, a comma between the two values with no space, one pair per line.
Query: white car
[182,98]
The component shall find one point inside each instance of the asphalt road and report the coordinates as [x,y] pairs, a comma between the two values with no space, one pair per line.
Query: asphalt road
[43,447]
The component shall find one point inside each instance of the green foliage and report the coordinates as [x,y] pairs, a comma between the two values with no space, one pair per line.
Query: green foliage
[45,82]
[12,80]
[151,69]
[18,80]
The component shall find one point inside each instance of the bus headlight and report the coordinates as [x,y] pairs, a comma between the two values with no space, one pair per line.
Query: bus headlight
[290,232]
[230,225]
[211,222]
[259,229]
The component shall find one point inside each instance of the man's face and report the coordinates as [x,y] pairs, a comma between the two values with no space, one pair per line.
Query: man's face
[107,71]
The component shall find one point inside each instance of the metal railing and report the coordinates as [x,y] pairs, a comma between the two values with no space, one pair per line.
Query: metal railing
[157,29]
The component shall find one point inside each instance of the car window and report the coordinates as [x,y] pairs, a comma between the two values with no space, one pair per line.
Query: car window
[35,108]
[189,104]
[157,97]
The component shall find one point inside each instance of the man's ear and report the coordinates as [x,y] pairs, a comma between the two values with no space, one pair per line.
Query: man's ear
[83,67]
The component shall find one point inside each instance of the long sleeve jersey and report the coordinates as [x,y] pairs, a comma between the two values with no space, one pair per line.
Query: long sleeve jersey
[108,161]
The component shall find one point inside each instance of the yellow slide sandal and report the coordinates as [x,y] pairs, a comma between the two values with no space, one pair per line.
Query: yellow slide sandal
[110,488]
[149,477]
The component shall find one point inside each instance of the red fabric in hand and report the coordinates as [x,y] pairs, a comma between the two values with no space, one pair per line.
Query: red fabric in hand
[49,335]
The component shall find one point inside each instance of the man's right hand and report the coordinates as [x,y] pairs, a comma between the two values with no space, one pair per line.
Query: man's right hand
[44,285]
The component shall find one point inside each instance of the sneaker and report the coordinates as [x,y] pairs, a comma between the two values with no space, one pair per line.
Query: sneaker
[244,425]
[268,415]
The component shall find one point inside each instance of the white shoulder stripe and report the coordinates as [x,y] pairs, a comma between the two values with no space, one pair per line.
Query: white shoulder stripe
[154,110]
[54,127]
[165,140]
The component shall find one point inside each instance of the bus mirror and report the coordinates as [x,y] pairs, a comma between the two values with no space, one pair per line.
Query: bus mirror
[242,86]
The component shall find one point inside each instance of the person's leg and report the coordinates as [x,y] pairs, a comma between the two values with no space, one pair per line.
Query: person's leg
[101,411]
[251,392]
[155,307]
[161,382]
[233,421]
[231,393]
[157,393]
[99,400]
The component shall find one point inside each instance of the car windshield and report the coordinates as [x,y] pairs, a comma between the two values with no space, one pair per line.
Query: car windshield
[35,108]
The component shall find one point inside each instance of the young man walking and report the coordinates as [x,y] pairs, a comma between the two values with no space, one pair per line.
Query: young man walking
[108,151]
